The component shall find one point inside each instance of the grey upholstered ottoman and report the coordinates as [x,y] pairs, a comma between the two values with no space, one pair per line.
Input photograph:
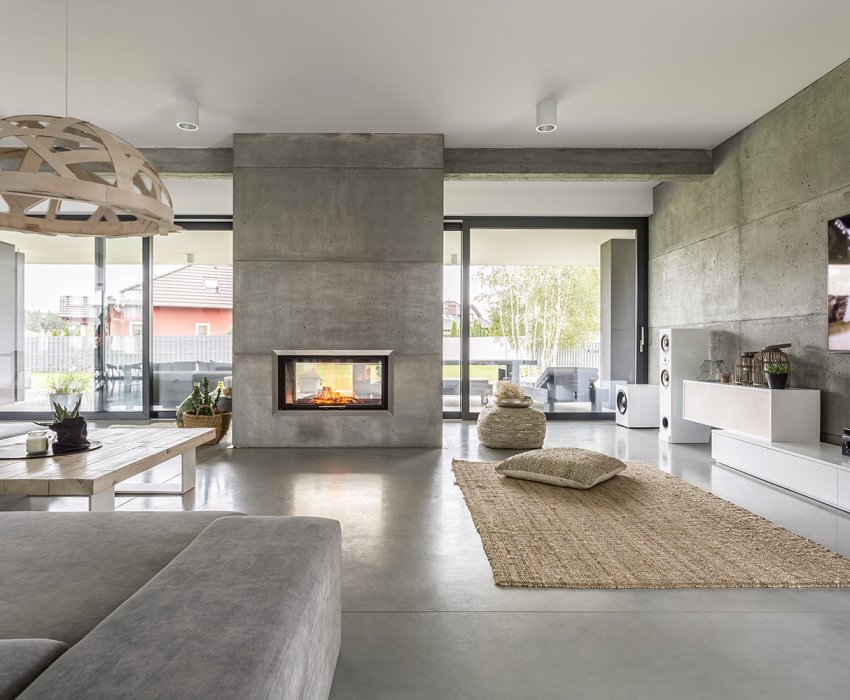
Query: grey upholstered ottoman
[511,428]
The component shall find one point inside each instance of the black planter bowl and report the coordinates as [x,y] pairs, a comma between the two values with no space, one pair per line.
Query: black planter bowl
[776,381]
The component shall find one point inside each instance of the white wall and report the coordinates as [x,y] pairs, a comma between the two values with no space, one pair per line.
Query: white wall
[215,196]
[472,198]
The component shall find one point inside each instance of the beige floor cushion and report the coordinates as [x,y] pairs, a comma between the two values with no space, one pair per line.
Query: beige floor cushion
[572,467]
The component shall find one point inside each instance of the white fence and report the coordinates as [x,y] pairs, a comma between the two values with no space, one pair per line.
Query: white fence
[497,348]
[585,356]
[61,353]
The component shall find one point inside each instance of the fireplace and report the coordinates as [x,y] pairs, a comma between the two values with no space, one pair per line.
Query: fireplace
[351,380]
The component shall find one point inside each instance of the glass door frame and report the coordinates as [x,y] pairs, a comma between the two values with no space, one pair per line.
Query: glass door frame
[196,222]
[640,225]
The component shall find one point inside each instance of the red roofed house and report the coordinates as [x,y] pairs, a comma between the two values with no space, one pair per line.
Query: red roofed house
[191,300]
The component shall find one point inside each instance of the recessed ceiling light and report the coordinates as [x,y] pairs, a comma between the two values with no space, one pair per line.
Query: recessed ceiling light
[547,115]
[187,114]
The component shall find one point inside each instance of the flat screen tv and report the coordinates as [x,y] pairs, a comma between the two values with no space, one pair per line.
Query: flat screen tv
[838,285]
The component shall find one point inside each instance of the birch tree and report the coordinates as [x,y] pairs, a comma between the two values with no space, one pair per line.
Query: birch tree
[541,309]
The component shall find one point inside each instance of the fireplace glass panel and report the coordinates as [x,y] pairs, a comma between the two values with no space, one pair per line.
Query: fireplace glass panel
[350,383]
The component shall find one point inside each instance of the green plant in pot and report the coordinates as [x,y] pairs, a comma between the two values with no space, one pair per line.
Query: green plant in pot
[70,428]
[199,411]
[199,403]
[777,374]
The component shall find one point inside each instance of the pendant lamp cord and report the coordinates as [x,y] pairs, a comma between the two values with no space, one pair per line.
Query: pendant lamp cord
[67,2]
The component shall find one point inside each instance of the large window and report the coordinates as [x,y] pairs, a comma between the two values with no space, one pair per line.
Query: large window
[75,314]
[72,330]
[553,306]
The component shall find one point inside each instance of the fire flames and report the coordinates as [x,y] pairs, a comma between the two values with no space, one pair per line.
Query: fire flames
[328,397]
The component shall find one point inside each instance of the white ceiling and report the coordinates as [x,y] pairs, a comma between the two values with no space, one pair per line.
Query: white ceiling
[657,73]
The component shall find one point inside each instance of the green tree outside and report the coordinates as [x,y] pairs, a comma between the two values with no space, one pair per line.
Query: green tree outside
[542,309]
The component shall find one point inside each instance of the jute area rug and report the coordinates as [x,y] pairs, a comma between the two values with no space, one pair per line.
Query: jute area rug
[641,529]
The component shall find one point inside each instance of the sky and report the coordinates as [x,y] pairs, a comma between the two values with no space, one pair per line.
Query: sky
[44,284]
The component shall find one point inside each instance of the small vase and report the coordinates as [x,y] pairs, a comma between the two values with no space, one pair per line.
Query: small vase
[776,381]
[71,435]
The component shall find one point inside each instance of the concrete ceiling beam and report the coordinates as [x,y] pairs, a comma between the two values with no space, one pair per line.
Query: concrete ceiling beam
[573,164]
[534,164]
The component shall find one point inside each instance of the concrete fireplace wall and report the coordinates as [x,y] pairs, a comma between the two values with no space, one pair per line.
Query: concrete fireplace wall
[337,243]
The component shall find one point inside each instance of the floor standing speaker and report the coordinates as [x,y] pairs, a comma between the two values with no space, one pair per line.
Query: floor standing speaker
[681,352]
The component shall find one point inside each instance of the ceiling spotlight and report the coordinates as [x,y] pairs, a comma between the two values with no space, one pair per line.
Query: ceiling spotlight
[547,115]
[187,114]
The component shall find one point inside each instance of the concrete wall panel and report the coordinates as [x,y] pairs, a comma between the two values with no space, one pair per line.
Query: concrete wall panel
[685,213]
[404,151]
[800,150]
[324,304]
[697,284]
[339,214]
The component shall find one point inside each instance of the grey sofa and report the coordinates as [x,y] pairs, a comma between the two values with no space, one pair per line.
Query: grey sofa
[168,605]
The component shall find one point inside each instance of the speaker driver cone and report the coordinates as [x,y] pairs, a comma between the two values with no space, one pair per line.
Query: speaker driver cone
[622,402]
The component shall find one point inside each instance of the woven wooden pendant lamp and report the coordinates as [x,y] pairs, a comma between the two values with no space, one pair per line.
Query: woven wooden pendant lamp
[47,161]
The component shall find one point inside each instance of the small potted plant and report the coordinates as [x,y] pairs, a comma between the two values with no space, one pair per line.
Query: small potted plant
[777,374]
[70,428]
[67,388]
[201,412]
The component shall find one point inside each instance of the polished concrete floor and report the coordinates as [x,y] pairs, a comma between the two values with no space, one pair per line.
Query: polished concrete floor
[423,619]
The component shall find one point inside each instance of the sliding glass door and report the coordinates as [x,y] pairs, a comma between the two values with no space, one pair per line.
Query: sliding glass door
[554,305]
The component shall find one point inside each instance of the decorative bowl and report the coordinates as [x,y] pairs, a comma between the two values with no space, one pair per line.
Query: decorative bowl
[524,402]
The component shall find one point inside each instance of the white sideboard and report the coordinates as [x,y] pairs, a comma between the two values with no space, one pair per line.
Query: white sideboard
[816,470]
[787,415]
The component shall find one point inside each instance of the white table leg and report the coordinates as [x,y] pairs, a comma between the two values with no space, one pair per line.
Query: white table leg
[103,501]
[187,471]
[187,481]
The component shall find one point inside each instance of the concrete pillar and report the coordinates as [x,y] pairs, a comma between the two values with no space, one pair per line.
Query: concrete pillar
[337,243]
[618,306]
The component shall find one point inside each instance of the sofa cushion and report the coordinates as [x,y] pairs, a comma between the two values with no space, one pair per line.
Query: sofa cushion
[22,660]
[62,573]
[251,609]
[572,467]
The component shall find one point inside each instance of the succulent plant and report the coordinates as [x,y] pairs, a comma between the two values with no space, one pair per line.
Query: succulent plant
[776,368]
[202,401]
[60,413]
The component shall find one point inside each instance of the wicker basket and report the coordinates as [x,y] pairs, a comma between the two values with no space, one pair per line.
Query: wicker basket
[220,421]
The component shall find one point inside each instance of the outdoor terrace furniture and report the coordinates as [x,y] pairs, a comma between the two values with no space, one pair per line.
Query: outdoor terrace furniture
[566,384]
[173,381]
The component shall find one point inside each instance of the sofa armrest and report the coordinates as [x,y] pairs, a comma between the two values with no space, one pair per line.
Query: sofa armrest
[250,609]
[22,660]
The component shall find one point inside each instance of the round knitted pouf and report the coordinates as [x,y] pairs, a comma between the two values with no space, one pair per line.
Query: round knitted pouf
[511,428]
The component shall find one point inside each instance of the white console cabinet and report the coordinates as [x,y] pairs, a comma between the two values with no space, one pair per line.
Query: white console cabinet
[787,415]
[816,470]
